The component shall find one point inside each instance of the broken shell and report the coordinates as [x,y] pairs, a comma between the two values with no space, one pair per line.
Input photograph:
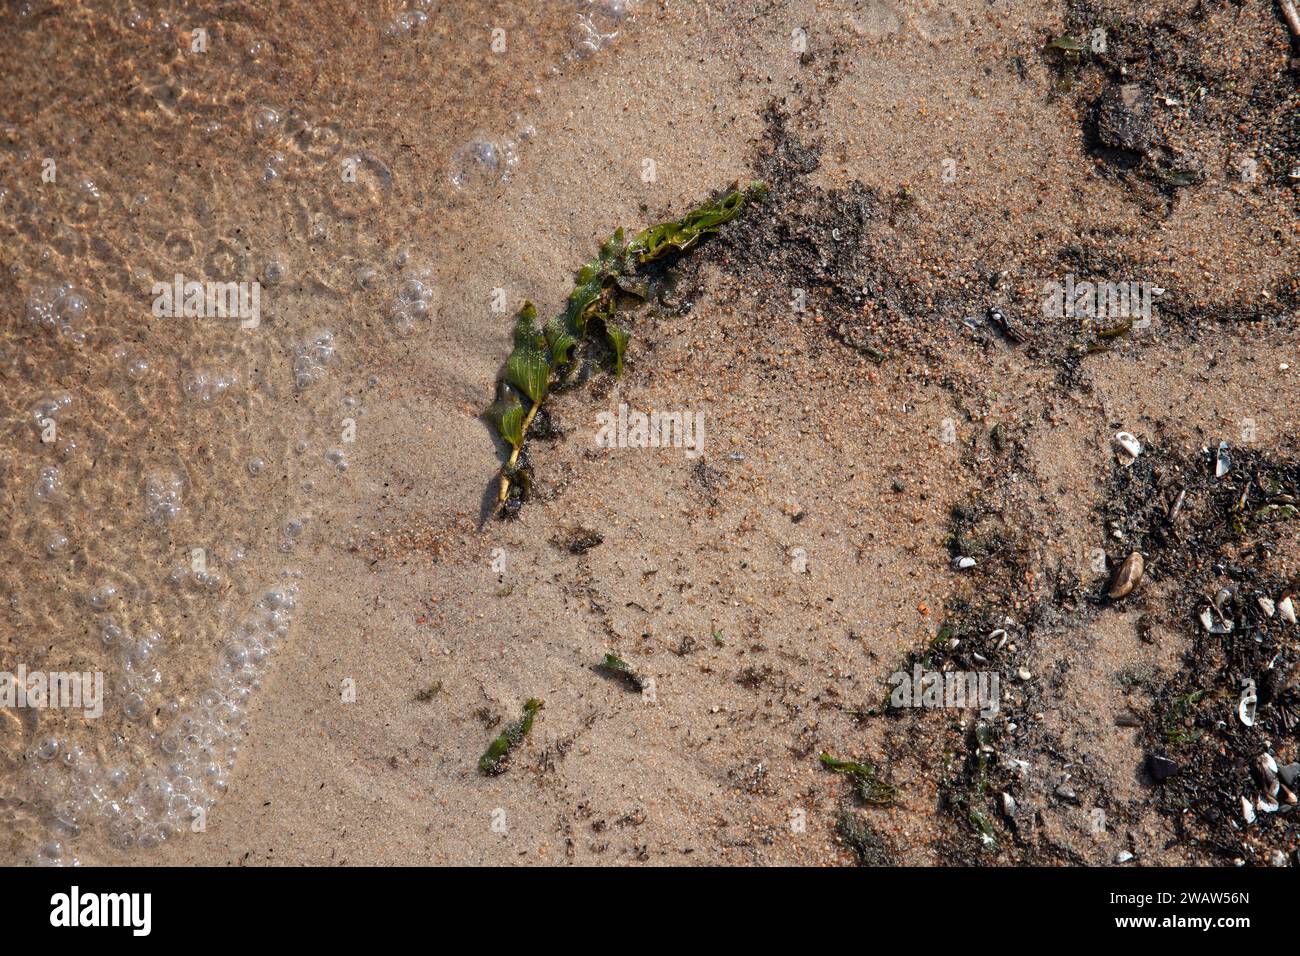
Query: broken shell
[1008,804]
[1127,575]
[1127,448]
[1222,461]
[1246,711]
[1247,810]
[1286,609]
[1267,805]
[1123,856]
[1176,508]
[1266,605]
[1214,622]
[1019,767]
[1266,774]
[963,563]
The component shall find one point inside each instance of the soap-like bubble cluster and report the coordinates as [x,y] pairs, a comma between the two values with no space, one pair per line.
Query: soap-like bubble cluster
[482,162]
[49,484]
[162,496]
[49,408]
[207,385]
[413,303]
[406,22]
[597,26]
[313,357]
[61,308]
[162,783]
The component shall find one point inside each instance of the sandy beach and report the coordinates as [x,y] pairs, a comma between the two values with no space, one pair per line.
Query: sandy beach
[276,536]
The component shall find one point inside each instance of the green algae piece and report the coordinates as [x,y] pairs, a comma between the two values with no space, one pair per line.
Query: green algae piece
[494,758]
[869,787]
[540,357]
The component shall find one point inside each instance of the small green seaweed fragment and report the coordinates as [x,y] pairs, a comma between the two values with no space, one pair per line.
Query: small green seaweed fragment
[494,758]
[1181,709]
[869,787]
[983,826]
[426,694]
[1178,177]
[1115,331]
[614,666]
[657,241]
[560,341]
[539,358]
[1067,44]
[618,339]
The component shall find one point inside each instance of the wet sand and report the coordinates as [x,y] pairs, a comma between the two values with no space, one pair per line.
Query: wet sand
[383,178]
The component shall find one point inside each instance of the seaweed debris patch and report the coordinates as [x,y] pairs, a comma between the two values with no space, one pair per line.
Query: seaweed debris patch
[622,273]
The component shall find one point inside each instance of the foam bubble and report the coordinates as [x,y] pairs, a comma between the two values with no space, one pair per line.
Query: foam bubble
[482,162]
[206,385]
[413,302]
[142,796]
[61,308]
[162,496]
[49,484]
[312,357]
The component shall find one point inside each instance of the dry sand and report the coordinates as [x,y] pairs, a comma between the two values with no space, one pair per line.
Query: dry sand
[770,586]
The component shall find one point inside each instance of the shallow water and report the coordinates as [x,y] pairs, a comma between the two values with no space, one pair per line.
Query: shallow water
[162,470]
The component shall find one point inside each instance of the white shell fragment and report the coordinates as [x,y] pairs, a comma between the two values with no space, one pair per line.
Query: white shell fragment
[1247,810]
[1266,605]
[963,563]
[1287,609]
[1214,622]
[1127,448]
[1222,461]
[1246,711]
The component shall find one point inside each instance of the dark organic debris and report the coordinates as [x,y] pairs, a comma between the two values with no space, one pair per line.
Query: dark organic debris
[426,694]
[863,839]
[577,540]
[1161,767]
[617,668]
[1124,118]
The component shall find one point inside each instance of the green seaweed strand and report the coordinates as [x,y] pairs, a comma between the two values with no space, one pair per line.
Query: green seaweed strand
[539,356]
